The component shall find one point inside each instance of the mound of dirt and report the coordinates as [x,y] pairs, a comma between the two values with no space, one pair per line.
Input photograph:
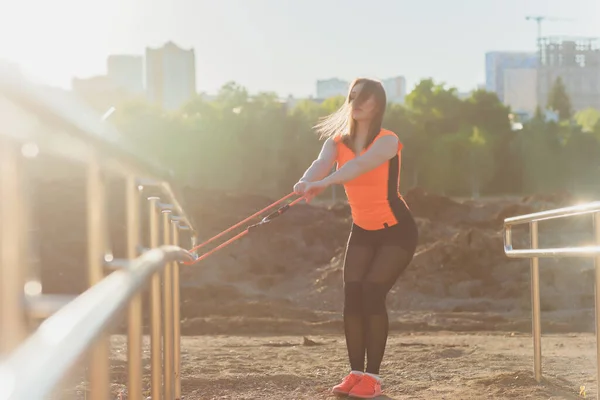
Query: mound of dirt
[460,264]
[435,207]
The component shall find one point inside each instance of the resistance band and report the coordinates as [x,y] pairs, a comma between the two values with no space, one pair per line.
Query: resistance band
[265,220]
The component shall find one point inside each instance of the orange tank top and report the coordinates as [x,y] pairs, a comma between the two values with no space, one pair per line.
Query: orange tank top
[374,196]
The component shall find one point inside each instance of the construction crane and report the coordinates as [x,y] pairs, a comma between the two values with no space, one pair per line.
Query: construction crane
[539,19]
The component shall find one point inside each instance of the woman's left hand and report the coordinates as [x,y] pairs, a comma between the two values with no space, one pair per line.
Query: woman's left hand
[312,189]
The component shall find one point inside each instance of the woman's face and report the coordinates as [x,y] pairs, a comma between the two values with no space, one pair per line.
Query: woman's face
[364,110]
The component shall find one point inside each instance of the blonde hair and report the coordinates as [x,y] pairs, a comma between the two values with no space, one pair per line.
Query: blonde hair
[340,124]
[336,124]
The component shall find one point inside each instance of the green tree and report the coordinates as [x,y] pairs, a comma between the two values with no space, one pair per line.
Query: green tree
[559,101]
[481,161]
[400,120]
[580,159]
[332,104]
[485,110]
[263,140]
[147,127]
[258,144]
[588,119]
[464,162]
[538,147]
[435,111]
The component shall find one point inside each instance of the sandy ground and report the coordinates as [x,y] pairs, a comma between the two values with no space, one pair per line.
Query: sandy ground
[417,366]
[437,365]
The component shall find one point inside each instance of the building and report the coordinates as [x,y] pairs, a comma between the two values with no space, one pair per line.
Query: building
[170,75]
[331,88]
[577,62]
[497,62]
[94,84]
[98,92]
[395,89]
[126,72]
[520,90]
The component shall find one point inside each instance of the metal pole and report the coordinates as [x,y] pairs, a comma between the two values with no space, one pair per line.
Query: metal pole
[535,305]
[193,243]
[168,312]
[176,317]
[12,240]
[597,290]
[96,225]
[155,306]
[134,344]
[508,237]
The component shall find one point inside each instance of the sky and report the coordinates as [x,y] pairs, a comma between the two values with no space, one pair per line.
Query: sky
[284,46]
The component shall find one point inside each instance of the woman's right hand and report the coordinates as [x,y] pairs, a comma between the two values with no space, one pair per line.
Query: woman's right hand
[300,187]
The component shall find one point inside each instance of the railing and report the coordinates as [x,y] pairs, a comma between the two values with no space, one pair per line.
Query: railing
[535,253]
[34,362]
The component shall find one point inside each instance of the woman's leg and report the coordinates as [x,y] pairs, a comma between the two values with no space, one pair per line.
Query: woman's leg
[359,254]
[389,262]
[358,257]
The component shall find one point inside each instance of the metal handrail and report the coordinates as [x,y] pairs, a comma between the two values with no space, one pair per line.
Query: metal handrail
[555,213]
[535,253]
[64,337]
[32,363]
[581,209]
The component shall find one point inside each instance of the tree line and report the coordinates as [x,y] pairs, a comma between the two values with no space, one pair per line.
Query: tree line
[453,146]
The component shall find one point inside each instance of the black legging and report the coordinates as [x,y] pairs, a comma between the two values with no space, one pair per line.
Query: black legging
[374,260]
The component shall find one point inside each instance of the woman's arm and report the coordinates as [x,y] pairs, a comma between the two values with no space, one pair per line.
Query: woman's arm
[323,164]
[382,150]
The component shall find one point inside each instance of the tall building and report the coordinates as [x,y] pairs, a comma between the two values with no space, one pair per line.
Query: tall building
[126,72]
[395,89]
[577,62]
[497,62]
[123,81]
[520,90]
[331,88]
[170,75]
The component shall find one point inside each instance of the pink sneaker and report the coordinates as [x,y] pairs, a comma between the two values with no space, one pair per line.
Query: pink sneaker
[347,384]
[367,388]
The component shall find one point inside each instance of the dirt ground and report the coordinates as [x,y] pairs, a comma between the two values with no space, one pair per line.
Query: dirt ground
[439,365]
[436,365]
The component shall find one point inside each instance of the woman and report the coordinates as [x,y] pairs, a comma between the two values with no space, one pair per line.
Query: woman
[383,237]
